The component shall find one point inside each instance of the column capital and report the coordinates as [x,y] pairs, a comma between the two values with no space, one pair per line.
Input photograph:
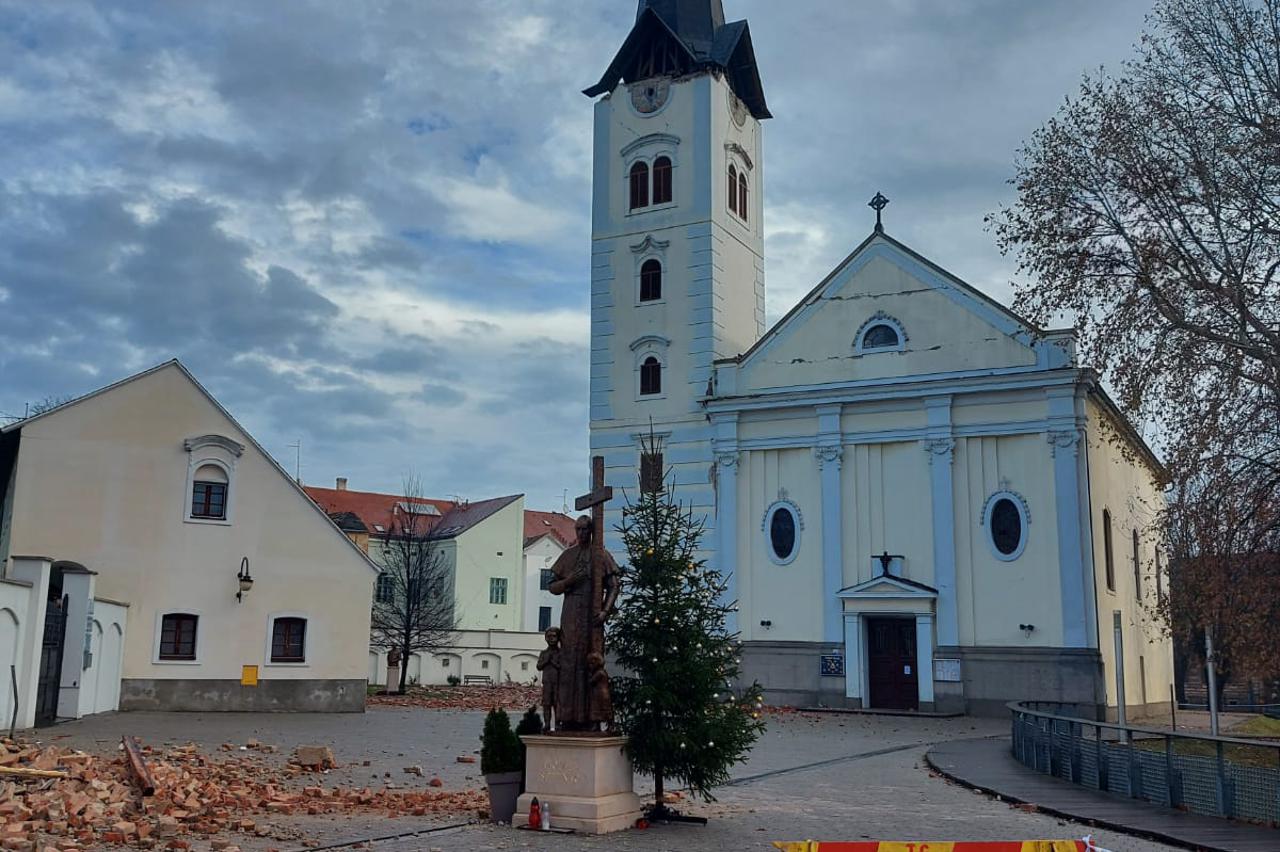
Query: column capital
[726,458]
[1063,439]
[939,448]
[828,454]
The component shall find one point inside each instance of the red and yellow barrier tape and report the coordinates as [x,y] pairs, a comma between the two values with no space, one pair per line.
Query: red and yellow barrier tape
[936,846]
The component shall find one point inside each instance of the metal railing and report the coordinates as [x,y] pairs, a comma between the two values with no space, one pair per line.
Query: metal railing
[1200,773]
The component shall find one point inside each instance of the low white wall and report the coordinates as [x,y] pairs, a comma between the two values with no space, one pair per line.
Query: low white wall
[15,601]
[503,656]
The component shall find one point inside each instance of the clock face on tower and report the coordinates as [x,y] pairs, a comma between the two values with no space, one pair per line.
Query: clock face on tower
[648,96]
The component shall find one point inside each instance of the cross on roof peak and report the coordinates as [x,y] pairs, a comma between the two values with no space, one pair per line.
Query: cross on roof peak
[878,203]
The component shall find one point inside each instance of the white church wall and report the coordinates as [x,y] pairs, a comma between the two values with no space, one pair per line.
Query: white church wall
[1130,493]
[995,596]
[784,595]
[817,346]
[886,502]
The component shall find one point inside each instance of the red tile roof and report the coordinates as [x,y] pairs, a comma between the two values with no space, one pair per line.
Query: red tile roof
[538,524]
[379,512]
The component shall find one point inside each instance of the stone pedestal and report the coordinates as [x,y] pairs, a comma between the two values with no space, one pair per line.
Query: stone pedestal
[393,678]
[586,780]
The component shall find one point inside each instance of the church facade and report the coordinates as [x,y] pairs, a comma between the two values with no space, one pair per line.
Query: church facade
[919,500]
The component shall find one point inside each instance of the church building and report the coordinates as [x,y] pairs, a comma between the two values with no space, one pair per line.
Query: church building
[919,500]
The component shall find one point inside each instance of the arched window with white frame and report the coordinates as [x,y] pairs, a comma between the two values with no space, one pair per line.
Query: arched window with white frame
[639,185]
[662,180]
[210,481]
[651,280]
[650,376]
[733,188]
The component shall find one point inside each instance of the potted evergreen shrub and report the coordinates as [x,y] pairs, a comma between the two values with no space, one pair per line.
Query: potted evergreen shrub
[502,764]
[530,723]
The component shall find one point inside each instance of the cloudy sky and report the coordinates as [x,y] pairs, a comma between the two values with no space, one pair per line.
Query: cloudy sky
[366,225]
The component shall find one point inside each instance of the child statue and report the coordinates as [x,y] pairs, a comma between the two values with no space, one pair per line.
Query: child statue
[549,665]
[600,703]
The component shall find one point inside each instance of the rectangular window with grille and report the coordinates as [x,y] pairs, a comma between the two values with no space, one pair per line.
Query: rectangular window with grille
[385,590]
[544,617]
[178,636]
[650,472]
[544,579]
[209,500]
[497,590]
[288,640]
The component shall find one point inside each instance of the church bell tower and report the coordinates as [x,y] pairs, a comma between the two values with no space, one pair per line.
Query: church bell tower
[677,243]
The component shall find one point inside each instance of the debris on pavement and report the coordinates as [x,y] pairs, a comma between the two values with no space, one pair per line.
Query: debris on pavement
[507,696]
[196,796]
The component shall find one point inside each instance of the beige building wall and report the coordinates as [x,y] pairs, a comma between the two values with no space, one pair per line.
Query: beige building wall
[104,483]
[490,550]
[1127,489]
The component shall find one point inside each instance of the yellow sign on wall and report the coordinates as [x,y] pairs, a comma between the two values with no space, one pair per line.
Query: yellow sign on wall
[249,676]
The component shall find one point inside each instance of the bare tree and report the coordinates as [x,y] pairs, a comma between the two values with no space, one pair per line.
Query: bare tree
[1148,214]
[413,608]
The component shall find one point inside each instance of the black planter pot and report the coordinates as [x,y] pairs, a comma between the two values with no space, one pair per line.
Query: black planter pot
[504,789]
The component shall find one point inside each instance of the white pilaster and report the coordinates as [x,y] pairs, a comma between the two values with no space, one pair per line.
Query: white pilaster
[1064,446]
[924,658]
[34,570]
[724,444]
[828,453]
[941,449]
[853,656]
[78,587]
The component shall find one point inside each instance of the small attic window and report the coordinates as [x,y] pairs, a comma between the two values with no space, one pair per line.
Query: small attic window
[880,333]
[880,336]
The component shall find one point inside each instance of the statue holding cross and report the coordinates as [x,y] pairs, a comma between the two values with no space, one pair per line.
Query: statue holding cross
[587,576]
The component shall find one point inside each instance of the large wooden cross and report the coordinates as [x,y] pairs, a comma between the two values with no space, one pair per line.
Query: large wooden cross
[595,500]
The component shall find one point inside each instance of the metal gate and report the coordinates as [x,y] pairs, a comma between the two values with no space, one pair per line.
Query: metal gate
[55,636]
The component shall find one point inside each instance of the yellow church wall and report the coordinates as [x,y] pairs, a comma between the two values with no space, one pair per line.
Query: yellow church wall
[800,423]
[941,338]
[885,498]
[993,597]
[1007,409]
[907,415]
[103,483]
[781,594]
[1130,492]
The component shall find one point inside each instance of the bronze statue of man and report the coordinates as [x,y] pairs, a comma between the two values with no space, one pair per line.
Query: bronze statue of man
[587,576]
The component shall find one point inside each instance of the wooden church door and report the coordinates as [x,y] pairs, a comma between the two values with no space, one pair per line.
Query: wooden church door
[891,663]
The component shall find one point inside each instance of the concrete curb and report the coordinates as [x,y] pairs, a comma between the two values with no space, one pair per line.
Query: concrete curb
[1002,796]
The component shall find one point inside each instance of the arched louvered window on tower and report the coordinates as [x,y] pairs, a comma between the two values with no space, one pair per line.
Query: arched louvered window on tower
[733,188]
[650,280]
[650,377]
[742,195]
[639,186]
[662,180]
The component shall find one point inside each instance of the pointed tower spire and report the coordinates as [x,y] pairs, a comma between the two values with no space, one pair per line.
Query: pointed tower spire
[673,38]
[695,22]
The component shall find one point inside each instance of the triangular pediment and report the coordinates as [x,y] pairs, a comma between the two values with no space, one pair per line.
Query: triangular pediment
[887,586]
[941,324]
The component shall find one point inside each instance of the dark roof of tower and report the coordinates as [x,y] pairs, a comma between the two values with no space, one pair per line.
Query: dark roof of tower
[698,29]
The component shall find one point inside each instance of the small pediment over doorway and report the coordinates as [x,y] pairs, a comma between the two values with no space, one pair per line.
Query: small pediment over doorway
[887,586]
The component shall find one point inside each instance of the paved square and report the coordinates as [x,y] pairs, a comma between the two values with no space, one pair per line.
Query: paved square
[811,776]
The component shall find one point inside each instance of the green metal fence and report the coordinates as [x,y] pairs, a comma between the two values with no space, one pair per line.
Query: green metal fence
[1204,774]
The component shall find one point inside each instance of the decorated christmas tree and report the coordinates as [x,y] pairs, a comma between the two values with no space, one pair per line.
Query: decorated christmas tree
[677,697]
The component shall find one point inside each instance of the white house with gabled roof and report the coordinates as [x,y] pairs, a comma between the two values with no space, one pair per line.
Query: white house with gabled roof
[156,557]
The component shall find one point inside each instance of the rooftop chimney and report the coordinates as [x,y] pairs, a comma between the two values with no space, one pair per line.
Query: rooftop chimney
[342,483]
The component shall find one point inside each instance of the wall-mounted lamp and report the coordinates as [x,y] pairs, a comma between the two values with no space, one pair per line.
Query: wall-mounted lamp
[245,581]
[766,623]
[1026,629]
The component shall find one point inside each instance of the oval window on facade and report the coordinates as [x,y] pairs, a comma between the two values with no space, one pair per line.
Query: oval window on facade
[1007,527]
[783,529]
